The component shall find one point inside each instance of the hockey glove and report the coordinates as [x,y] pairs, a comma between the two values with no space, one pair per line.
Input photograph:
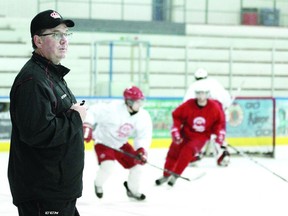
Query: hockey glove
[141,156]
[176,137]
[220,137]
[223,158]
[87,131]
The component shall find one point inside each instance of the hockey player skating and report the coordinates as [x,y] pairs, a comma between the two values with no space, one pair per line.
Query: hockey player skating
[194,121]
[116,122]
[217,92]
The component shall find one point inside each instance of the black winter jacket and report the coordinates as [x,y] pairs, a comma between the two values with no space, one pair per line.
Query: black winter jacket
[46,158]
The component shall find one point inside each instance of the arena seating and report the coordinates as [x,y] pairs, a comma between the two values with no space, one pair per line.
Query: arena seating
[255,56]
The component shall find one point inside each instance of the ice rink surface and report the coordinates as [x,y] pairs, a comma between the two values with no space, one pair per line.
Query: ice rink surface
[242,189]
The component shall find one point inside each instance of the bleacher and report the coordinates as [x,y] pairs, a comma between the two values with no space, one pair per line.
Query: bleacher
[256,56]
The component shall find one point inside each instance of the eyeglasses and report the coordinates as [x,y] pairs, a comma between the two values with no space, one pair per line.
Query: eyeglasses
[58,35]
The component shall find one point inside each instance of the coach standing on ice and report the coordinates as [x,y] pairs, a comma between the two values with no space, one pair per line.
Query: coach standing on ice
[47,152]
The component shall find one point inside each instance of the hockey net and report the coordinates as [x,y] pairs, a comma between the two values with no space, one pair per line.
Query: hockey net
[251,125]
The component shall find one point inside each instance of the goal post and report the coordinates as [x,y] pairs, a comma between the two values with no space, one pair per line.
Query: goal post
[251,125]
[117,64]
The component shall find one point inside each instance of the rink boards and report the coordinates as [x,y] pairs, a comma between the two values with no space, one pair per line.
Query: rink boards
[253,121]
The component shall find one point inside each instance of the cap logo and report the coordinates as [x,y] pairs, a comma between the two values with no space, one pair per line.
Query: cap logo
[55,15]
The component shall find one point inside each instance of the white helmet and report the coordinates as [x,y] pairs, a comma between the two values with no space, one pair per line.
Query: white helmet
[200,73]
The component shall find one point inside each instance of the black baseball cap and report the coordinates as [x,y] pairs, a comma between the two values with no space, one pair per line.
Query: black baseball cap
[46,20]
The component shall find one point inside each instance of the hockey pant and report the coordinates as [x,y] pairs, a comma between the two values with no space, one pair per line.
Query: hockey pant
[180,155]
[106,159]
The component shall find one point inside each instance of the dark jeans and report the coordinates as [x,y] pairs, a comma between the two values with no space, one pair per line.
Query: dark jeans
[48,208]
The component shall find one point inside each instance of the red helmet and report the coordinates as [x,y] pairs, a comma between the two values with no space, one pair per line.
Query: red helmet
[133,93]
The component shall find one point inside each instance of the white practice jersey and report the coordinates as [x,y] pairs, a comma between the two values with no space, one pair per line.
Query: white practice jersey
[115,125]
[217,92]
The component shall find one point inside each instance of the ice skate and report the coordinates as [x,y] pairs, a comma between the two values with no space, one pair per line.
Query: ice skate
[137,196]
[98,191]
[172,180]
[162,180]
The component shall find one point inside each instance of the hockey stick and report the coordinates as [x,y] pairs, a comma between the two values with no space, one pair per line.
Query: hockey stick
[239,89]
[256,162]
[137,158]
[170,172]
